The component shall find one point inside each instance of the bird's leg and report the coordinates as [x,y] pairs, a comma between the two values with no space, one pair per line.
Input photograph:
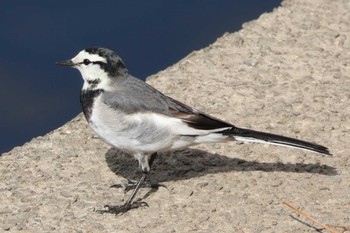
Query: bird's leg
[131,184]
[129,204]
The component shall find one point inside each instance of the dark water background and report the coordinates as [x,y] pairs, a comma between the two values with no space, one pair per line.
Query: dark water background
[36,96]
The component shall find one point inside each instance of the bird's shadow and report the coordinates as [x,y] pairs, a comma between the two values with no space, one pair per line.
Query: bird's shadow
[189,163]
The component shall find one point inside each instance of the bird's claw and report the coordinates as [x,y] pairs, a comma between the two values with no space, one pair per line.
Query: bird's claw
[121,209]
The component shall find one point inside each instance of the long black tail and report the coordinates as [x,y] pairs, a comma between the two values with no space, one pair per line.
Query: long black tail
[247,135]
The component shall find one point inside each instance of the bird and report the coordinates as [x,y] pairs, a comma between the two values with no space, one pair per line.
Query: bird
[132,116]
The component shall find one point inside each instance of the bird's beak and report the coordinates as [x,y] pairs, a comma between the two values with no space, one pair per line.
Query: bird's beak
[65,63]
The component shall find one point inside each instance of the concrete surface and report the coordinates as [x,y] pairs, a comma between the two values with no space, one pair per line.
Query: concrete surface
[286,72]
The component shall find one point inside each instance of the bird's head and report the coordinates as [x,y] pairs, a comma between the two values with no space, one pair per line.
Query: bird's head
[97,66]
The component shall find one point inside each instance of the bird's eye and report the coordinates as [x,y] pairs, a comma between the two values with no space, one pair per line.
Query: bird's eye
[86,61]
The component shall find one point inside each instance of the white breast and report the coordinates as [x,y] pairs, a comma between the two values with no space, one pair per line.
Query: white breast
[128,132]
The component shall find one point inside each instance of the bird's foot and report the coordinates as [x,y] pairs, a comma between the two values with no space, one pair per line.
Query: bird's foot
[121,209]
[131,184]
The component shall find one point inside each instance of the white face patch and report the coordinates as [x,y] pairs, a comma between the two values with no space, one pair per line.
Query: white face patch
[94,76]
[82,55]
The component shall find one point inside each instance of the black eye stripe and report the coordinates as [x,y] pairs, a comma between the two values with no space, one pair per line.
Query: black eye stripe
[99,62]
[87,62]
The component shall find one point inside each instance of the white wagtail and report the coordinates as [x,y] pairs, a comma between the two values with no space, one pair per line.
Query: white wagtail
[132,116]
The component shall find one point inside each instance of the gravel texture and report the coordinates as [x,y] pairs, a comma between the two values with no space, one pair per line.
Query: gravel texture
[286,72]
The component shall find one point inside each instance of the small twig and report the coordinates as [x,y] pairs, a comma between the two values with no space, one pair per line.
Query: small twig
[342,227]
[309,217]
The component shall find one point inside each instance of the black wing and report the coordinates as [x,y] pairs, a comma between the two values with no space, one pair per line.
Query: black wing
[134,95]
